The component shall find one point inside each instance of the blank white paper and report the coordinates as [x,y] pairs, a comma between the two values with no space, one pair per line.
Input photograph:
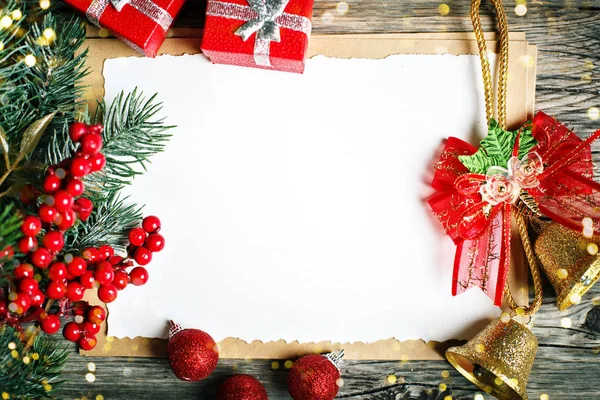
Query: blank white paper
[292,205]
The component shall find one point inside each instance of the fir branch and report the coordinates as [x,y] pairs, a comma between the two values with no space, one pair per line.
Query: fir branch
[109,223]
[10,225]
[132,134]
[39,376]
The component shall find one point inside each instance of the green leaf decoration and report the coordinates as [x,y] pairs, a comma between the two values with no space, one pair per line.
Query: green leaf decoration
[497,147]
[33,134]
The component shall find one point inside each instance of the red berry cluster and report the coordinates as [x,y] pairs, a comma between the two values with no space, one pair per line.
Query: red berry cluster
[44,233]
[85,326]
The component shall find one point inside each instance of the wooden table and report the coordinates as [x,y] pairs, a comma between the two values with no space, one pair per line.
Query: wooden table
[567,364]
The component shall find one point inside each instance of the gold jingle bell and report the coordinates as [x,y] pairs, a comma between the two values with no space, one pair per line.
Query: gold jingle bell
[498,359]
[567,262]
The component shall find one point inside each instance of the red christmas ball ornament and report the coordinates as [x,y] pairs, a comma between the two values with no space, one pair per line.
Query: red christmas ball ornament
[242,387]
[192,353]
[315,377]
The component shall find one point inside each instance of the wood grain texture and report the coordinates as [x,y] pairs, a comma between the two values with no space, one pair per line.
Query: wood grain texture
[567,365]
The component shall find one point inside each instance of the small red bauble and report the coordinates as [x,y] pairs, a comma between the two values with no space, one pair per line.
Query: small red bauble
[242,387]
[155,242]
[50,324]
[28,285]
[77,266]
[75,187]
[107,293]
[47,214]
[77,130]
[57,271]
[51,183]
[315,377]
[41,258]
[142,256]
[74,291]
[23,271]
[96,315]
[54,241]
[55,290]
[31,226]
[192,353]
[63,201]
[138,276]
[151,224]
[37,298]
[121,280]
[87,280]
[71,332]
[91,143]
[137,236]
[87,341]
[27,244]
[104,273]
[97,162]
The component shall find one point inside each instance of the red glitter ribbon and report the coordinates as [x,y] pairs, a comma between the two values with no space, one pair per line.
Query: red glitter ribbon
[482,232]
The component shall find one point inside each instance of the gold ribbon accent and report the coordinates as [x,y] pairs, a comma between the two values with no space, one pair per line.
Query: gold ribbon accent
[521,218]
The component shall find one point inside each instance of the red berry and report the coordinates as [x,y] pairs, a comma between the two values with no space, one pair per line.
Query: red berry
[37,298]
[77,266]
[98,128]
[106,252]
[50,324]
[90,327]
[91,255]
[7,253]
[27,244]
[115,260]
[96,315]
[138,276]
[104,273]
[57,271]
[87,280]
[63,201]
[87,342]
[80,166]
[3,308]
[41,258]
[65,220]
[74,291]
[54,241]
[137,236]
[55,290]
[107,293]
[28,285]
[31,226]
[71,332]
[23,271]
[21,303]
[151,224]
[51,183]
[91,143]
[83,207]
[120,280]
[98,162]
[77,130]
[155,242]
[75,187]
[142,256]
[47,213]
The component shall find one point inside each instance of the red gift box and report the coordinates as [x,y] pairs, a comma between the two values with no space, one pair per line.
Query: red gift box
[269,34]
[142,24]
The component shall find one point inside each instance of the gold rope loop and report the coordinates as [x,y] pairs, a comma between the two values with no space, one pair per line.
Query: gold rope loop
[535,271]
[485,64]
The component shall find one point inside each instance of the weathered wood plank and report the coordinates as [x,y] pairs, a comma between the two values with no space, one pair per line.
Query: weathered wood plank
[568,36]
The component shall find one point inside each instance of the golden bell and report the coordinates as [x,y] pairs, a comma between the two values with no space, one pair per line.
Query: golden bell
[498,359]
[570,262]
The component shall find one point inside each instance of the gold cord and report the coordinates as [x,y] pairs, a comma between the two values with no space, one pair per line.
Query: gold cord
[485,64]
[535,271]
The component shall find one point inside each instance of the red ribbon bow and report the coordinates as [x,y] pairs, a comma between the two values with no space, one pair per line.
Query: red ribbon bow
[481,229]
